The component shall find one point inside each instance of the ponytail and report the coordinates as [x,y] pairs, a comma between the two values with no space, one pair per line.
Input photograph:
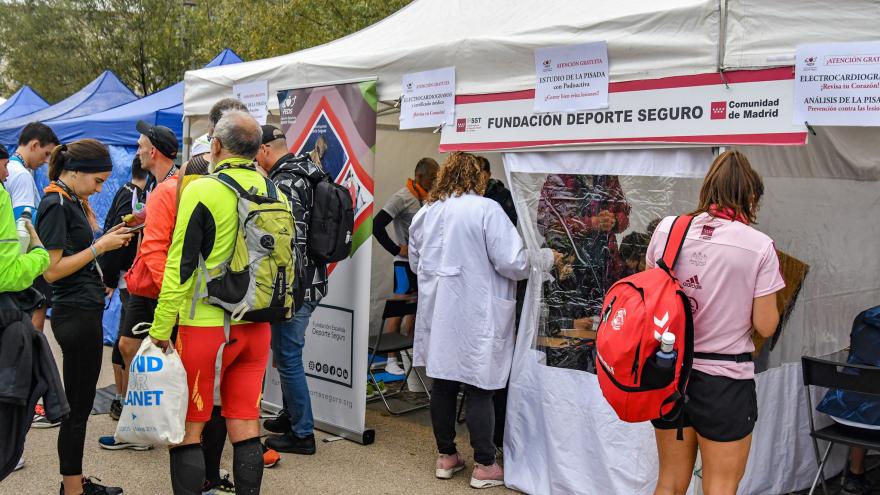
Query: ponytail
[56,161]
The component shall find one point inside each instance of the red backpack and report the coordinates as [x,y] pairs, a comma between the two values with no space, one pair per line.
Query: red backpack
[637,310]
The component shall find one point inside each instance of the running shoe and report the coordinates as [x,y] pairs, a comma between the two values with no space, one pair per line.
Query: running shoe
[20,464]
[371,390]
[393,368]
[487,476]
[448,465]
[116,409]
[223,485]
[92,488]
[109,442]
[40,420]
[270,457]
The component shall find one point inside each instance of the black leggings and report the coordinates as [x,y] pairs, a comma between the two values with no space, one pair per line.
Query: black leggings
[480,419]
[79,332]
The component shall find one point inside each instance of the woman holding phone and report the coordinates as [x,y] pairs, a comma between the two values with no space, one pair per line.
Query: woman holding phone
[67,227]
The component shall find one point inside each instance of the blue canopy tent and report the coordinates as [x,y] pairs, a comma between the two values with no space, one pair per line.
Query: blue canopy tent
[116,128]
[22,102]
[106,91]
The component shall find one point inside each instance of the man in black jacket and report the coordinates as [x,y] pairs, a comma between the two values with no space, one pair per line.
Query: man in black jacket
[295,176]
[496,191]
[114,264]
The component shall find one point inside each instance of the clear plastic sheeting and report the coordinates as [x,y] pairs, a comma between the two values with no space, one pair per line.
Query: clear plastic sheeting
[557,417]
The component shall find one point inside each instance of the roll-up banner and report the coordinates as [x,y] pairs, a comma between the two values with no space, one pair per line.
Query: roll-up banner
[335,355]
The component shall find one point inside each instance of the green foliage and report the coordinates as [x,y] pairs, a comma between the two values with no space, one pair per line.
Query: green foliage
[58,46]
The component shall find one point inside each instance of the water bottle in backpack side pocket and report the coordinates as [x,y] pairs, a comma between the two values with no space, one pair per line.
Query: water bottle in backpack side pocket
[666,355]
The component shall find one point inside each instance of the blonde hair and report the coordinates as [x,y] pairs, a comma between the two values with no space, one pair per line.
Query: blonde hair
[461,173]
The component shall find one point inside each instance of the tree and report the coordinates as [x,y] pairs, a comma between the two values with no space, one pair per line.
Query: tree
[58,46]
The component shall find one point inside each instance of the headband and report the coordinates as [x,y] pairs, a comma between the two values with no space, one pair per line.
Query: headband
[95,165]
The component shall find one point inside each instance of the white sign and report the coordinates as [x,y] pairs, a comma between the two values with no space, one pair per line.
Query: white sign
[428,99]
[571,78]
[254,95]
[755,109]
[838,84]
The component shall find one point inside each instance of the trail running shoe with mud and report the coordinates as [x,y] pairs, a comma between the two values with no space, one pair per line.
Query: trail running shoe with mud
[40,420]
[109,442]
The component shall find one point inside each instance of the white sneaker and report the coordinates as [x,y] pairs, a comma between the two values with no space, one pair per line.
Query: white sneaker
[20,464]
[393,368]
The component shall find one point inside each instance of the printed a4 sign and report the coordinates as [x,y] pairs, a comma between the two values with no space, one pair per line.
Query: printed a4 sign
[753,107]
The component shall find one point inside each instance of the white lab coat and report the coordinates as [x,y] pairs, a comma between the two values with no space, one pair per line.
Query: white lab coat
[467,255]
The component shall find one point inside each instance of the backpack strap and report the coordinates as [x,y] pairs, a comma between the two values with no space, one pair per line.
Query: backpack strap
[677,234]
[271,191]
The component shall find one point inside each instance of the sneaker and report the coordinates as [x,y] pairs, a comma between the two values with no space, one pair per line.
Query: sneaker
[487,476]
[281,424]
[448,465]
[371,390]
[856,485]
[116,409]
[40,420]
[19,465]
[109,442]
[270,457]
[223,485]
[92,488]
[292,444]
[381,388]
[391,367]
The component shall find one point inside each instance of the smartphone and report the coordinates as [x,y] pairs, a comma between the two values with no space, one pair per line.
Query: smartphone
[131,230]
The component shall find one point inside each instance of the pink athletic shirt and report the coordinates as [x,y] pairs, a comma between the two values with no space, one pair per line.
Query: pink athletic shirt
[723,266]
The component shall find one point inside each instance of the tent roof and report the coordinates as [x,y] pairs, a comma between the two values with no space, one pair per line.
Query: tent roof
[491,42]
[22,102]
[106,91]
[117,125]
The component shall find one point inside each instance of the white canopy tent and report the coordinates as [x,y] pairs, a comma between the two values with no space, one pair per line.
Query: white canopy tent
[490,42]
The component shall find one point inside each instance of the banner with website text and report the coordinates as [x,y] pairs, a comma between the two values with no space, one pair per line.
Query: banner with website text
[742,107]
[343,116]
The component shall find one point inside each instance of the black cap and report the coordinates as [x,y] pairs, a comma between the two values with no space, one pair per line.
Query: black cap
[271,133]
[162,138]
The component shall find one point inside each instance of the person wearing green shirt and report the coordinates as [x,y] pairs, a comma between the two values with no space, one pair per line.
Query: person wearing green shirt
[205,229]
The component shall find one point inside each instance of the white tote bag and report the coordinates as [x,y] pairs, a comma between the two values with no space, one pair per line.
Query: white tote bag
[155,406]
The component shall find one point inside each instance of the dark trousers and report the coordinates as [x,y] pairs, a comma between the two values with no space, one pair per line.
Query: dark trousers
[80,334]
[480,419]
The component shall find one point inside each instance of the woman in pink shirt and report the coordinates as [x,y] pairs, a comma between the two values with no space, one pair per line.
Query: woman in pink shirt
[730,273]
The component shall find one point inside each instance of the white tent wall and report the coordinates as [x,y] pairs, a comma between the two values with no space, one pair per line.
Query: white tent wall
[761,33]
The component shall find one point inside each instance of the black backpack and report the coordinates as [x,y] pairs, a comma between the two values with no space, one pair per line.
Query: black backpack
[332,222]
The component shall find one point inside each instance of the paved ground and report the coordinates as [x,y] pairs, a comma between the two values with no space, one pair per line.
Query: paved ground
[400,462]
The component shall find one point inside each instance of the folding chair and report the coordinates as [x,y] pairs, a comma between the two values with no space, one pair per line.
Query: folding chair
[384,343]
[820,372]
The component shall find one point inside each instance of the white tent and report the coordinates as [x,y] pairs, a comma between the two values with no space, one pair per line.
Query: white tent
[555,444]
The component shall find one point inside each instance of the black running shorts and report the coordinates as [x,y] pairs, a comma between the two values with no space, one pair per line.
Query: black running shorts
[719,408]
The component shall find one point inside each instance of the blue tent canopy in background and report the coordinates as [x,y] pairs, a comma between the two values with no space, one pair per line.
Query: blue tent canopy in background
[106,91]
[22,102]
[116,126]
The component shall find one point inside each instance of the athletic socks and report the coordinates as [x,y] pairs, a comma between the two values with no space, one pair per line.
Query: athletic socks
[120,397]
[247,466]
[187,469]
[213,440]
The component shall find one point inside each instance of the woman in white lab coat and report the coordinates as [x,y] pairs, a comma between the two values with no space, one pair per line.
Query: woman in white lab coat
[467,255]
